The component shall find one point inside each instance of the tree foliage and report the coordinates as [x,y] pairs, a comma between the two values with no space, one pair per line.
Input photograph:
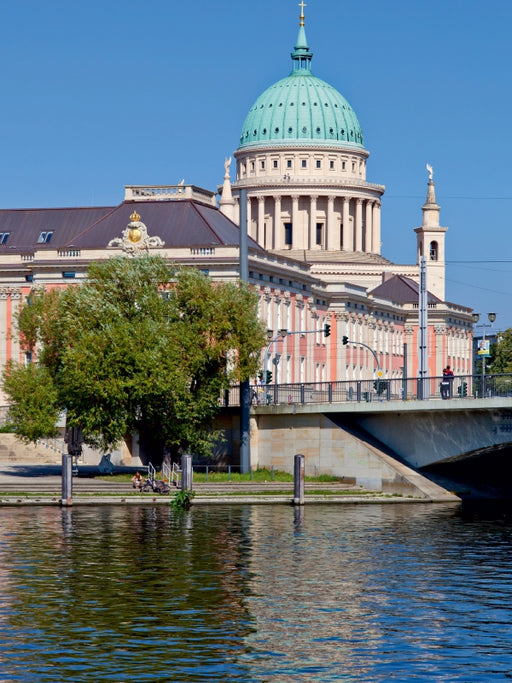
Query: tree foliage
[137,346]
[500,360]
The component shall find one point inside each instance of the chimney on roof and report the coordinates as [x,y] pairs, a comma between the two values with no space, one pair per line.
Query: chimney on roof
[386,275]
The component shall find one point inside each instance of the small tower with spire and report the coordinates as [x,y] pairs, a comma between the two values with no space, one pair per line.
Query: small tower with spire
[227,203]
[431,241]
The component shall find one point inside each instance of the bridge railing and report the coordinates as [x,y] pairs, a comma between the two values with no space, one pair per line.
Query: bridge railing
[428,388]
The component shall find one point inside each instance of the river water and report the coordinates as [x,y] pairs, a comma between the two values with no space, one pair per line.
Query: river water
[396,592]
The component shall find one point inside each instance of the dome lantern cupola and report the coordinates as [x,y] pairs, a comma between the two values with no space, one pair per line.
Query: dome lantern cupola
[301,56]
[301,108]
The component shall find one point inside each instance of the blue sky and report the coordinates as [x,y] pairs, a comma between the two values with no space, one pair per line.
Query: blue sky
[103,94]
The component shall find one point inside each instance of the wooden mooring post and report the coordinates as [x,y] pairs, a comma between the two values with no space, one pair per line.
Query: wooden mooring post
[67,480]
[298,479]
[186,473]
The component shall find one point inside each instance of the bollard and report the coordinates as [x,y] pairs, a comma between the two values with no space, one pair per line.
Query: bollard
[186,473]
[67,480]
[298,479]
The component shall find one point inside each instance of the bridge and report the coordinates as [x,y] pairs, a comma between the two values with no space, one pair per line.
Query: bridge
[352,429]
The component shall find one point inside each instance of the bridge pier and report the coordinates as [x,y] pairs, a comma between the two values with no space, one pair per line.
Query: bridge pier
[330,449]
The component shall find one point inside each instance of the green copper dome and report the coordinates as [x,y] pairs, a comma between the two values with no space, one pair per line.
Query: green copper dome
[301,108]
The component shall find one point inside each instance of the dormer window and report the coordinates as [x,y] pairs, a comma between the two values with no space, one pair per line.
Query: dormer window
[45,237]
[4,236]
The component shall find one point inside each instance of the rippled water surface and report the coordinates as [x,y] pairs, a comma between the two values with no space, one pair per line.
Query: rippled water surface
[255,594]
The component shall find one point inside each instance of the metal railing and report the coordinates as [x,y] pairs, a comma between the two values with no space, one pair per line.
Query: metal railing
[359,391]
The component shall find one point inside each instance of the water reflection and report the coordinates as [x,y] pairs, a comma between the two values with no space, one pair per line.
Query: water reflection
[261,593]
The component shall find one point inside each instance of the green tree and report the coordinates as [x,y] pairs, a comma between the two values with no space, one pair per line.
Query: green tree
[500,360]
[139,347]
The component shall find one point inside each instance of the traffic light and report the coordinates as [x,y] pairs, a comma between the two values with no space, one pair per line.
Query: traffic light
[462,390]
[345,340]
[268,378]
[379,385]
[327,330]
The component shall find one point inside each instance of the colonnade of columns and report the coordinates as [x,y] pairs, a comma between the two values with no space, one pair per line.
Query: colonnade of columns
[355,226]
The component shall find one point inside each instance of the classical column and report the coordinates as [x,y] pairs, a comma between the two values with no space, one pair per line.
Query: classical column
[251,227]
[348,235]
[297,237]
[312,222]
[359,225]
[330,236]
[368,231]
[261,239]
[376,229]
[277,228]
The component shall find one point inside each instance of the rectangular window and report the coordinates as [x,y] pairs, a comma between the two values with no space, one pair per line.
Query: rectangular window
[343,165]
[288,163]
[275,163]
[68,274]
[4,236]
[288,234]
[304,163]
[318,163]
[262,165]
[331,165]
[319,231]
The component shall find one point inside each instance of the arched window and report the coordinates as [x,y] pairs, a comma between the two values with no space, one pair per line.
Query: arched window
[433,251]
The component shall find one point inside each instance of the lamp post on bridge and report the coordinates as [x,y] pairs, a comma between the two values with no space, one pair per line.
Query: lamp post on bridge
[483,350]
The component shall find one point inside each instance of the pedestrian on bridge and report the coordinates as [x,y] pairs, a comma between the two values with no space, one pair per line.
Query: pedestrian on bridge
[447,383]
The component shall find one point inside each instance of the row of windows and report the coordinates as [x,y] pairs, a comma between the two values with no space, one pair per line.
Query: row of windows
[44,237]
[304,164]
[332,133]
[288,234]
[66,274]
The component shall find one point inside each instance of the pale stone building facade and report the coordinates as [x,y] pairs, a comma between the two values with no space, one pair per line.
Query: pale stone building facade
[314,223]
[302,161]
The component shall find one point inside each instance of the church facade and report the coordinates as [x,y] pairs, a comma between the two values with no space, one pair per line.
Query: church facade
[302,161]
[314,225]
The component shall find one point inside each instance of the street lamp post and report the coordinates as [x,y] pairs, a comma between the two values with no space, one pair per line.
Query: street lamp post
[484,353]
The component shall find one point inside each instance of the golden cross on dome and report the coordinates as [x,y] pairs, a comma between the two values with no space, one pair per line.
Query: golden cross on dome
[302,4]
